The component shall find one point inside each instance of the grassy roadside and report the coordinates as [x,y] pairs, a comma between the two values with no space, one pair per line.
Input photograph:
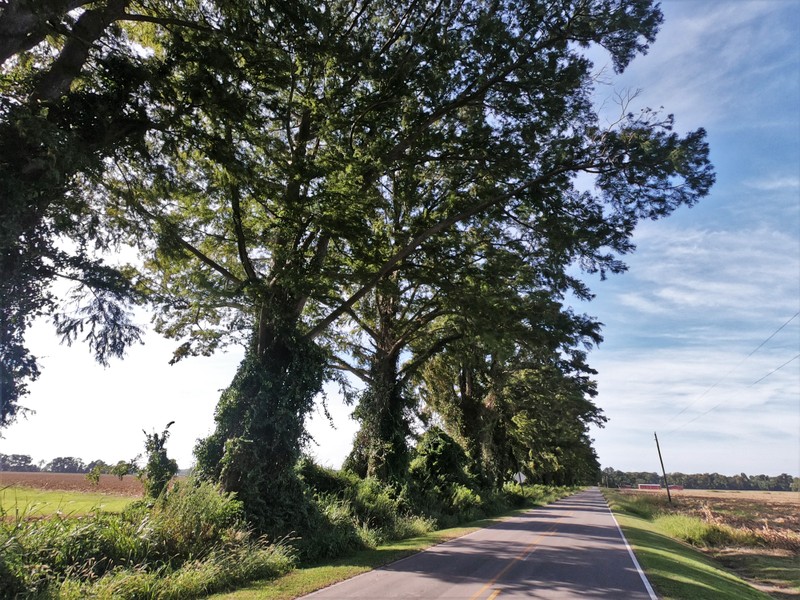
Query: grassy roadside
[305,580]
[676,570]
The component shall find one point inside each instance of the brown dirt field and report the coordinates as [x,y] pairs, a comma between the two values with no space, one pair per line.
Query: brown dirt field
[776,510]
[73,482]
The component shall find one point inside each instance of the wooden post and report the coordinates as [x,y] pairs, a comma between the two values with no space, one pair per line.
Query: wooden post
[661,460]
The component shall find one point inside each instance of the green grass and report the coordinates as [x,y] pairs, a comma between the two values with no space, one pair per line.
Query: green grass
[678,571]
[675,569]
[772,570]
[40,503]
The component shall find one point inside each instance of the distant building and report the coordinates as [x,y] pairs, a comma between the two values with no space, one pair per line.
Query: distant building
[649,486]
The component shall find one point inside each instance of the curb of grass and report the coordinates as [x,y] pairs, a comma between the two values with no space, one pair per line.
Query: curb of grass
[304,580]
[676,570]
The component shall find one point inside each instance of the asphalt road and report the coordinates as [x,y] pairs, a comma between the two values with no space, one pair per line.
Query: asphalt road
[569,549]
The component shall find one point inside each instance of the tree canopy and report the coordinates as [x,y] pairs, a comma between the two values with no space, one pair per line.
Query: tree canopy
[293,171]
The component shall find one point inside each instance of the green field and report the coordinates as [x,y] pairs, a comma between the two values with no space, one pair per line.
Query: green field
[29,502]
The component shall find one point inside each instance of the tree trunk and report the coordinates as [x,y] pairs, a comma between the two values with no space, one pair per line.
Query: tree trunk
[383,405]
[260,422]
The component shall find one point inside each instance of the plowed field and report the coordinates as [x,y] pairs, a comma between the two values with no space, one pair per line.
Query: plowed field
[73,482]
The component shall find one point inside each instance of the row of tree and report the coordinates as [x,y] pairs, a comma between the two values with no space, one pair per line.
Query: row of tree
[704,481]
[397,191]
[63,464]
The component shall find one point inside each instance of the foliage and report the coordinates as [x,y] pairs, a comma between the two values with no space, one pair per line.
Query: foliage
[159,469]
[260,429]
[349,512]
[17,462]
[123,468]
[192,542]
[284,169]
[65,464]
[440,463]
[70,104]
[517,405]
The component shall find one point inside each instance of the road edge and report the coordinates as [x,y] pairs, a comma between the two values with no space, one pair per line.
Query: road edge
[636,564]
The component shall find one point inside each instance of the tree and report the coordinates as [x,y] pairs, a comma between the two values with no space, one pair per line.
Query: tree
[123,468]
[17,462]
[159,468]
[73,100]
[269,133]
[65,464]
[491,286]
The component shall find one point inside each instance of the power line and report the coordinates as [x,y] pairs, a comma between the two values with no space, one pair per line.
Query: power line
[778,369]
[721,379]
[773,335]
[716,406]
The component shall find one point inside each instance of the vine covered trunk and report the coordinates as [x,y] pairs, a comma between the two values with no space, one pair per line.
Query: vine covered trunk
[260,423]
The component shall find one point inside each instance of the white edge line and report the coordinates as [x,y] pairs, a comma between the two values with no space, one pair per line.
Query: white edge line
[636,564]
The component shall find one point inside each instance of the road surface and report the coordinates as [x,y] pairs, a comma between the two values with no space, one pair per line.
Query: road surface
[569,549]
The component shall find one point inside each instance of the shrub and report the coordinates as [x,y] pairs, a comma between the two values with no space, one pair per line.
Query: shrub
[465,502]
[193,519]
[159,469]
[331,531]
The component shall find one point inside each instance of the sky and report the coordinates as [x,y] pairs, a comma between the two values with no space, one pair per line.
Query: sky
[702,334]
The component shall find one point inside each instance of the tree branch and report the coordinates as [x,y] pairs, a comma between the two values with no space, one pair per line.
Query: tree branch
[343,365]
[411,367]
[412,246]
[22,27]
[70,61]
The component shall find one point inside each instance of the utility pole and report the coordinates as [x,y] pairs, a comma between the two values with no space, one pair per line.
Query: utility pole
[661,460]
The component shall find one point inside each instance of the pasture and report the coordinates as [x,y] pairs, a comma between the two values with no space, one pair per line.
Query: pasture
[42,494]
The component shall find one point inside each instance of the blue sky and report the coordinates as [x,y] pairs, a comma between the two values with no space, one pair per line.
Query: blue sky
[705,288]
[709,284]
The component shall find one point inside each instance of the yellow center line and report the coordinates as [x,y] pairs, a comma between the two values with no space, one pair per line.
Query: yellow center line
[521,556]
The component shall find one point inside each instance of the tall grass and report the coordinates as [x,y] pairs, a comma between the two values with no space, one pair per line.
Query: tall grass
[705,531]
[192,541]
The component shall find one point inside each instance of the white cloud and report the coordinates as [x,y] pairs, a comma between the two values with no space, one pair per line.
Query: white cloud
[715,59]
[775,183]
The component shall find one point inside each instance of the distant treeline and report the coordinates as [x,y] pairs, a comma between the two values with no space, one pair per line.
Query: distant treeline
[704,481]
[64,464]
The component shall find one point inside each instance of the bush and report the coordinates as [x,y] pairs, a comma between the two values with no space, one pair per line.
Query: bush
[330,532]
[193,519]
[160,469]
[466,502]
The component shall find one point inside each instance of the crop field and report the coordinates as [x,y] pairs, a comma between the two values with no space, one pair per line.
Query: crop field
[73,482]
[41,494]
[755,534]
